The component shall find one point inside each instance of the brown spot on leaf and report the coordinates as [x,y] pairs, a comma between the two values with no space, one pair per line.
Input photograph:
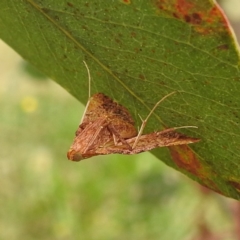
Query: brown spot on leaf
[211,185]
[175,15]
[205,20]
[214,21]
[236,185]
[46,10]
[137,50]
[187,18]
[141,76]
[69,4]
[133,34]
[196,18]
[223,47]
[118,40]
[127,2]
[183,7]
[185,158]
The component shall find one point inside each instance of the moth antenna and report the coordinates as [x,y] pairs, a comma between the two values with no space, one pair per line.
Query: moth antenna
[140,117]
[144,122]
[184,127]
[175,128]
[89,91]
[89,80]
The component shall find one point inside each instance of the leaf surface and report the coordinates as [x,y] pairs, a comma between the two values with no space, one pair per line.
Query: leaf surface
[138,51]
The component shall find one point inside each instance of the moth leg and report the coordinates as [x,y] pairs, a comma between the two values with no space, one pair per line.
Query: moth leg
[116,137]
[144,122]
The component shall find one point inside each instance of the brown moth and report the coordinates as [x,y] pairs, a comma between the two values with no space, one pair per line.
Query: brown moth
[107,127]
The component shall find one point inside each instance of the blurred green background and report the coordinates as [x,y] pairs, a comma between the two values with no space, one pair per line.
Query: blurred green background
[45,196]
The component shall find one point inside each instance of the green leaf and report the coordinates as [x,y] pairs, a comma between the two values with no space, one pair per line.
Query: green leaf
[138,51]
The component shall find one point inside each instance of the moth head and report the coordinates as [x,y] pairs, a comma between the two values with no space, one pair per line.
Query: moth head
[74,156]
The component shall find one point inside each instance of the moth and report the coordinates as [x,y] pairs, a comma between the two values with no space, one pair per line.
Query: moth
[107,127]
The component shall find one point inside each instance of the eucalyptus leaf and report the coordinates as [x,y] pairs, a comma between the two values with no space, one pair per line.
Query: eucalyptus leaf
[139,51]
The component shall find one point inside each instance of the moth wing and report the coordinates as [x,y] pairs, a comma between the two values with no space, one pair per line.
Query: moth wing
[150,141]
[161,139]
[118,116]
[87,137]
